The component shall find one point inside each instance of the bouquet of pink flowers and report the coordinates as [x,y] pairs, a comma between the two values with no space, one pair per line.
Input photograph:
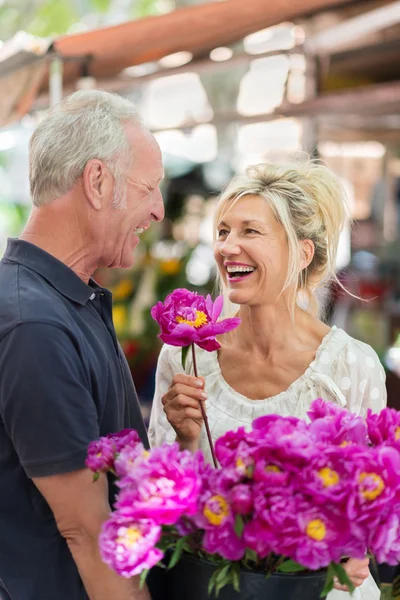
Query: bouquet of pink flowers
[289,496]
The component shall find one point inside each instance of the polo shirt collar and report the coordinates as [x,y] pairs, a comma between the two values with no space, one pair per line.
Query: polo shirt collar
[61,277]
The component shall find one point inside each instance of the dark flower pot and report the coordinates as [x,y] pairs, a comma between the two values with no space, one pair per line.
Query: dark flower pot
[188,580]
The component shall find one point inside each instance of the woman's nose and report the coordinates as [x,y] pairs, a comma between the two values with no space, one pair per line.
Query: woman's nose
[230,247]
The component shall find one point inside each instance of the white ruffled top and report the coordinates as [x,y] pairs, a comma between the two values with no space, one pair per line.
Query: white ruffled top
[344,370]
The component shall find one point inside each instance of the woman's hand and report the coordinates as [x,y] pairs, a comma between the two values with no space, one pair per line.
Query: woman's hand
[357,571]
[181,405]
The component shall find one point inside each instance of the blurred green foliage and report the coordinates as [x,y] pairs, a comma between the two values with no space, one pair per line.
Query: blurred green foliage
[46,18]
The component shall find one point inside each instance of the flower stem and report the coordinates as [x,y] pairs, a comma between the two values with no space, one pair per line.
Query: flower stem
[203,413]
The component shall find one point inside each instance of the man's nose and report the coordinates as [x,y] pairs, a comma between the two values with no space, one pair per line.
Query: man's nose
[158,207]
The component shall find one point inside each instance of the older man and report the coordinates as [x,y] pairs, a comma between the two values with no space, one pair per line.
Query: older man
[94,175]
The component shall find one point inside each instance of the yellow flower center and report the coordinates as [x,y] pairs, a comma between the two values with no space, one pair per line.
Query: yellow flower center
[272,469]
[397,433]
[200,320]
[328,476]
[371,485]
[128,536]
[247,469]
[216,510]
[344,444]
[316,530]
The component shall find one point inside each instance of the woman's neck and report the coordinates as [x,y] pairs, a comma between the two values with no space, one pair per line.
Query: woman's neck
[266,329]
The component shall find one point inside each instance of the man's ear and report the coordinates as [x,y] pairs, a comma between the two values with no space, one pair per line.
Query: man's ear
[97,183]
[308,249]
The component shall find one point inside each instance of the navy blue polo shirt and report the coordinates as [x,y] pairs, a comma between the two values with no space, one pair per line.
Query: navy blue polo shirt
[64,382]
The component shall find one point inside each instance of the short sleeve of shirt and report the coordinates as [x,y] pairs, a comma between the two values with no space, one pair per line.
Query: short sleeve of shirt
[45,399]
[361,378]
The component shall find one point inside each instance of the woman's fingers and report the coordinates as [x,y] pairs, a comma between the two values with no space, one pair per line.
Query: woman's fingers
[357,570]
[177,417]
[190,380]
[180,392]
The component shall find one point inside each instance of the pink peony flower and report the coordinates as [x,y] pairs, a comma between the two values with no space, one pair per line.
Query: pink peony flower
[187,318]
[124,463]
[287,438]
[339,429]
[100,455]
[102,452]
[320,409]
[384,540]
[162,486]
[241,499]
[216,517]
[384,427]
[229,445]
[128,546]
[126,437]
[225,542]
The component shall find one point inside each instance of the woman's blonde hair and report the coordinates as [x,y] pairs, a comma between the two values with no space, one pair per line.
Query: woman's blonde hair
[308,199]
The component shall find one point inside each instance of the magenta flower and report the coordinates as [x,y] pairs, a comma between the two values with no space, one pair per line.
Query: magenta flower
[100,455]
[320,409]
[226,447]
[384,427]
[102,452]
[162,486]
[384,540]
[216,517]
[225,542]
[241,499]
[287,438]
[339,429]
[187,318]
[126,437]
[124,463]
[128,546]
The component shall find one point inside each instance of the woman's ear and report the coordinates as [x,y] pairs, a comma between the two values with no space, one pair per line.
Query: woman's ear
[307,251]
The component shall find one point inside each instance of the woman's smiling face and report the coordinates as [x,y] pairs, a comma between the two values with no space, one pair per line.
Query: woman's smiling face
[251,252]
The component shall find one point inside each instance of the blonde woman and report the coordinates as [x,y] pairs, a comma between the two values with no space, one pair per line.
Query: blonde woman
[276,236]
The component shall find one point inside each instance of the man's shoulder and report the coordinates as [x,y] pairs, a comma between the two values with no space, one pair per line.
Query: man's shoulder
[27,297]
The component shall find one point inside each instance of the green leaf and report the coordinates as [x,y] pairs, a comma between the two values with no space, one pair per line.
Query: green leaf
[143,576]
[177,552]
[222,572]
[328,587]
[239,525]
[96,476]
[236,577]
[342,576]
[212,582]
[290,566]
[219,579]
[185,350]
[251,555]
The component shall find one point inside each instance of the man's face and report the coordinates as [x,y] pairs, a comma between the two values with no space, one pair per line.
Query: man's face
[136,200]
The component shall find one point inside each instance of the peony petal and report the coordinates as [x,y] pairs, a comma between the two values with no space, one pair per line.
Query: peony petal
[209,306]
[209,345]
[217,308]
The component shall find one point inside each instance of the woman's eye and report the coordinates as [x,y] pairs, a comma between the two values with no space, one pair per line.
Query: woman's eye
[251,231]
[222,232]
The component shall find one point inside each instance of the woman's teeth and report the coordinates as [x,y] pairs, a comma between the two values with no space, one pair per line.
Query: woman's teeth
[139,230]
[235,271]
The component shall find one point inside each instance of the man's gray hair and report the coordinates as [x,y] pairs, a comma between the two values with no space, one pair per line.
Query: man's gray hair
[87,124]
